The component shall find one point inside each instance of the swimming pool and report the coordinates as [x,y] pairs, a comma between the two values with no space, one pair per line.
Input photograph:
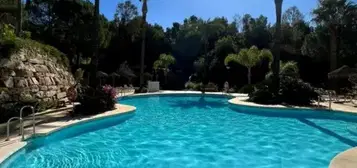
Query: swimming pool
[195,131]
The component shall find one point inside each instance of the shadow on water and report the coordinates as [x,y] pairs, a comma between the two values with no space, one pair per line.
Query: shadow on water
[201,103]
[329,132]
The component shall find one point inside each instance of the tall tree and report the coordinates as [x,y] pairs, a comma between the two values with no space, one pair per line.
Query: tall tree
[96,37]
[276,50]
[125,12]
[142,59]
[292,15]
[334,14]
[249,58]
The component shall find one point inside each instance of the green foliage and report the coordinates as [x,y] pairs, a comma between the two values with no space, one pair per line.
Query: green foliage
[293,91]
[246,89]
[7,34]
[296,92]
[26,35]
[289,68]
[249,57]
[193,86]
[164,61]
[93,101]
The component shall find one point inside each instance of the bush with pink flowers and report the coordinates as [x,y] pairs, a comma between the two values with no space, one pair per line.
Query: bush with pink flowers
[95,101]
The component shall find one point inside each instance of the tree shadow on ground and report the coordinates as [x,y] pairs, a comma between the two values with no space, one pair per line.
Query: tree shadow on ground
[202,103]
[329,132]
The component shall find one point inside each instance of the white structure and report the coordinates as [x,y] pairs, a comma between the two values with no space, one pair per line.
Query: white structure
[153,86]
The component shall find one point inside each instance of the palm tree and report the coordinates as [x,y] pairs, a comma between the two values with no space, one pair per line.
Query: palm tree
[96,38]
[19,18]
[249,58]
[333,14]
[289,68]
[142,59]
[163,63]
[276,49]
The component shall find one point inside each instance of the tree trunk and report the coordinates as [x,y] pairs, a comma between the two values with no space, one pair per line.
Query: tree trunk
[276,49]
[19,18]
[95,44]
[333,48]
[249,76]
[142,59]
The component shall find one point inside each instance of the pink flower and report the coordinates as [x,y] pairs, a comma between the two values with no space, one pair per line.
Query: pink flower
[110,90]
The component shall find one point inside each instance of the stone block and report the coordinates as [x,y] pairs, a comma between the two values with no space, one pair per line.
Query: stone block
[23,73]
[43,88]
[50,93]
[40,94]
[35,61]
[30,68]
[52,87]
[25,96]
[42,81]
[41,68]
[48,81]
[4,96]
[34,81]
[7,63]
[8,82]
[34,88]
[61,95]
[21,82]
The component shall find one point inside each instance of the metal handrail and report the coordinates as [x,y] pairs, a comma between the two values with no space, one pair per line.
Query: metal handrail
[8,127]
[22,123]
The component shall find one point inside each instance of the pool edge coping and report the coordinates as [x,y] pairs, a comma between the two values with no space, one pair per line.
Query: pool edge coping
[11,149]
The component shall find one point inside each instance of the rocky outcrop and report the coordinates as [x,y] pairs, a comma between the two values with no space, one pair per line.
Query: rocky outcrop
[29,75]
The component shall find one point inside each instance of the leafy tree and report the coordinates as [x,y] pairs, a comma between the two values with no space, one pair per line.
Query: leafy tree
[125,12]
[249,58]
[292,16]
[163,63]
[334,14]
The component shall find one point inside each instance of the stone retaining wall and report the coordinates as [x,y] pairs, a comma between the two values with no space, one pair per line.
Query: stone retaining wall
[28,75]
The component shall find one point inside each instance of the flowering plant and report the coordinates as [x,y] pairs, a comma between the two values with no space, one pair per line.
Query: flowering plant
[110,91]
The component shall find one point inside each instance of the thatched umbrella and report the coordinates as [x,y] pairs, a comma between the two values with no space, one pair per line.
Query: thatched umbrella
[114,75]
[101,75]
[342,72]
[125,71]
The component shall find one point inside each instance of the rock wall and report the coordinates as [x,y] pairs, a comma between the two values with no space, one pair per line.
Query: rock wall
[28,75]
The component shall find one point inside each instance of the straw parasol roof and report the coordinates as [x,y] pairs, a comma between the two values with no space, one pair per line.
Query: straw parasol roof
[342,72]
[101,74]
[125,71]
[113,74]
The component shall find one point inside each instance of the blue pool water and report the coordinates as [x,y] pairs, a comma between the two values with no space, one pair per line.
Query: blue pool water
[194,131]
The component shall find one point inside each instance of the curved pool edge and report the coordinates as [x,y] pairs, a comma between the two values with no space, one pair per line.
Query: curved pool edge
[9,150]
[242,102]
[345,159]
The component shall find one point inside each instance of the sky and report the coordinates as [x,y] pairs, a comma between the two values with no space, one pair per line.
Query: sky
[165,12]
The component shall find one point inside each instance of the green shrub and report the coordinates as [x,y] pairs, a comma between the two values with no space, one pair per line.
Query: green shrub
[261,94]
[292,91]
[211,87]
[296,92]
[193,86]
[95,101]
[247,89]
